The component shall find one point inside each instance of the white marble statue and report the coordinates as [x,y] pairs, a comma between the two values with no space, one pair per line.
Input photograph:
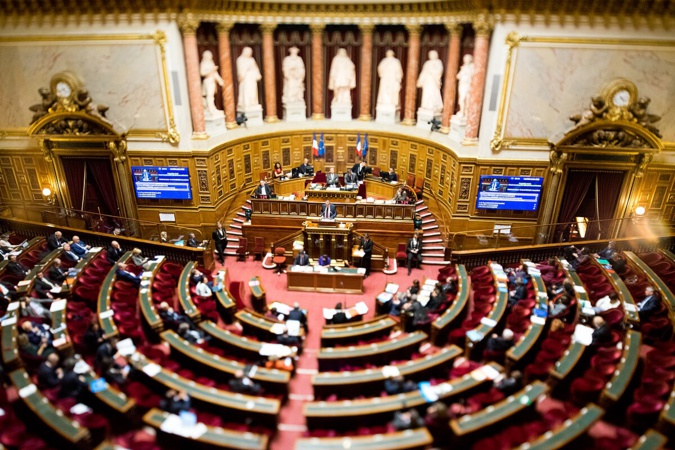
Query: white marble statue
[293,68]
[209,71]
[430,82]
[248,75]
[391,74]
[464,77]
[342,78]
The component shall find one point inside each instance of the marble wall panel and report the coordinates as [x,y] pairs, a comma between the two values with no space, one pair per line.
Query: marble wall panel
[553,81]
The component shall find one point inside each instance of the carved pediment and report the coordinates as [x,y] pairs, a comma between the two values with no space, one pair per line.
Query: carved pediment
[619,134]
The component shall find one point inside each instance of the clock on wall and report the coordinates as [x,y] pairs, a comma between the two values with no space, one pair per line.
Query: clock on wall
[64,87]
[619,96]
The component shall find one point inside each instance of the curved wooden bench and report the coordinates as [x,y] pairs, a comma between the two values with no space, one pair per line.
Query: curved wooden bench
[331,358]
[632,315]
[225,302]
[239,346]
[213,437]
[26,286]
[623,375]
[82,264]
[456,312]
[349,332]
[152,322]
[105,312]
[474,347]
[651,440]
[362,381]
[666,294]
[184,297]
[565,433]
[400,440]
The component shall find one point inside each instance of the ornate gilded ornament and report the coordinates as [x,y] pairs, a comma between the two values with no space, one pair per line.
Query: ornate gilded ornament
[557,161]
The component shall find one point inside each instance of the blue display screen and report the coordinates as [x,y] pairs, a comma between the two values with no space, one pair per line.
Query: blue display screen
[162,183]
[509,193]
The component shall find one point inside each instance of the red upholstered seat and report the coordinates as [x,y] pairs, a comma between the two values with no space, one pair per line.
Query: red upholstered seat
[242,249]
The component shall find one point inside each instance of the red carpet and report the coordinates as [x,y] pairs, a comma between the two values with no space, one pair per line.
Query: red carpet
[291,420]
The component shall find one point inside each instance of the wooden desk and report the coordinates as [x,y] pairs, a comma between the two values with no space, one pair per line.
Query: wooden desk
[496,314]
[565,433]
[343,334]
[304,209]
[348,414]
[418,438]
[346,281]
[334,195]
[184,297]
[105,312]
[518,403]
[258,296]
[335,239]
[379,354]
[214,437]
[456,312]
[239,346]
[625,370]
[152,320]
[258,325]
[358,382]
[42,266]
[226,304]
[651,440]
[289,186]
[661,287]
[66,431]
[10,347]
[375,187]
[232,406]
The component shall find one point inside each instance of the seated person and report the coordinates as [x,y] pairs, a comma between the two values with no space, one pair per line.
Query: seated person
[649,305]
[583,258]
[417,222]
[49,373]
[324,260]
[419,314]
[393,307]
[278,171]
[350,177]
[328,211]
[571,254]
[451,285]
[170,316]
[274,362]
[33,307]
[68,254]
[607,252]
[509,385]
[398,385]
[115,252]
[41,350]
[196,276]
[56,273]
[192,241]
[192,336]
[520,272]
[73,385]
[401,196]
[164,237]
[610,301]
[55,241]
[560,306]
[602,334]
[5,245]
[298,314]
[288,340]
[496,343]
[437,421]
[202,289]
[263,190]
[242,384]
[306,168]
[390,176]
[519,293]
[618,263]
[14,267]
[94,335]
[7,291]
[414,290]
[339,316]
[302,259]
[123,274]
[112,372]
[136,258]
[332,179]
[43,286]
[407,420]
[175,401]
[78,247]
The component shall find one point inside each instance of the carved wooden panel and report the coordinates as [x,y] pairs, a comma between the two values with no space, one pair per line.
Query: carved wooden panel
[203,180]
[266,159]
[412,162]
[219,179]
[393,158]
[247,164]
[372,156]
[286,157]
[230,169]
[464,188]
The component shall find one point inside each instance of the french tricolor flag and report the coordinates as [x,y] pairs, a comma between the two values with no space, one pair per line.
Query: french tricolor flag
[358,144]
[315,146]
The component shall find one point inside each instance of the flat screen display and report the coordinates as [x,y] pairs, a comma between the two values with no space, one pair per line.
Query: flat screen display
[509,193]
[162,183]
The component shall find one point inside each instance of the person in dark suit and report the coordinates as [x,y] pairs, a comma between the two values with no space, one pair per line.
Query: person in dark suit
[350,177]
[73,384]
[618,263]
[78,247]
[43,286]
[359,170]
[220,239]
[339,316]
[607,252]
[55,241]
[56,272]
[192,241]
[114,252]
[332,179]
[299,315]
[328,211]
[196,276]
[414,251]
[509,385]
[7,294]
[519,293]
[366,245]
[123,274]
[263,190]
[390,176]
[306,168]
[501,343]
[68,255]
[174,402]
[602,334]
[649,305]
[242,384]
[302,259]
[49,373]
[407,420]
[14,267]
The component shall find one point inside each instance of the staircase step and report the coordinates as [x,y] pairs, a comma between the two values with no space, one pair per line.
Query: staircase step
[248,200]
[238,227]
[430,227]
[434,248]
[241,214]
[431,241]
[433,255]
[431,220]
[435,262]
[233,245]
[433,233]
[236,219]
[235,254]
[419,202]
[234,233]
[421,208]
[232,239]
[425,215]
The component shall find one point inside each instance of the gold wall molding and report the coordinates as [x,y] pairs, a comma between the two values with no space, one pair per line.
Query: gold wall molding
[158,39]
[514,41]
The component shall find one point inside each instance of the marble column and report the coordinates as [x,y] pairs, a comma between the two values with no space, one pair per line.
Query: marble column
[475,108]
[226,73]
[317,71]
[194,81]
[412,70]
[366,71]
[269,77]
[450,82]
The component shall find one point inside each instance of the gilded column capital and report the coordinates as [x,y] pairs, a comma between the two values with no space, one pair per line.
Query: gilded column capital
[367,28]
[317,27]
[414,28]
[188,24]
[224,27]
[482,26]
[454,29]
[268,28]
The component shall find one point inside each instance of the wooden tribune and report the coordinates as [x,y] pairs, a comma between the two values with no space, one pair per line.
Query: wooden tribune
[345,281]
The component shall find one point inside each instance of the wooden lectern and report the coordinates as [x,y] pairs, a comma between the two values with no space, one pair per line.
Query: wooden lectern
[328,237]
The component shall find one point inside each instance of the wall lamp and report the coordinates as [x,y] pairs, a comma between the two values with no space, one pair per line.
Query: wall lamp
[49,196]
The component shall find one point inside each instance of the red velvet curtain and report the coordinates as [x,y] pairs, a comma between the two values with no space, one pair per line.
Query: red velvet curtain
[349,38]
[578,183]
[100,174]
[73,168]
[388,38]
[285,37]
[247,35]
[608,190]
[207,39]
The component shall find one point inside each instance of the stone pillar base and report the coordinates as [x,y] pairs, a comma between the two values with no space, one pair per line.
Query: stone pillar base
[295,112]
[215,122]
[457,127]
[253,114]
[424,116]
[341,112]
[388,114]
